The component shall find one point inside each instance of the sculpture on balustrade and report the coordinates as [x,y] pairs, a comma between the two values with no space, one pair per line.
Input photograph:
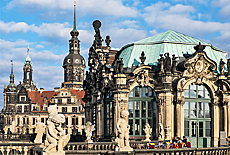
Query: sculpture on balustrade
[161,132]
[56,138]
[148,131]
[40,130]
[89,130]
[123,131]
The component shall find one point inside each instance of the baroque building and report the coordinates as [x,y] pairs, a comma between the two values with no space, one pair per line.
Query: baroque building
[171,81]
[24,104]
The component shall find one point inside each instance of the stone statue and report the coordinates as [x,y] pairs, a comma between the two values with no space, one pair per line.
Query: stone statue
[40,129]
[56,138]
[221,64]
[161,132]
[167,63]
[228,66]
[147,131]
[119,66]
[88,131]
[167,133]
[123,131]
[174,63]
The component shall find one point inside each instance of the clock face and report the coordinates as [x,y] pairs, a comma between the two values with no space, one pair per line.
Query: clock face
[69,60]
[76,60]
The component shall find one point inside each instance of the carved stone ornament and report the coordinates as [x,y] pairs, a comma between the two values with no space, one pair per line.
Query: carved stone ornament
[199,67]
[89,131]
[142,78]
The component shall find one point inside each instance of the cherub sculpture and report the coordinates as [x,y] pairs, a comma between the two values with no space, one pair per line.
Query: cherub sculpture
[55,135]
[148,131]
[88,130]
[40,130]
[123,131]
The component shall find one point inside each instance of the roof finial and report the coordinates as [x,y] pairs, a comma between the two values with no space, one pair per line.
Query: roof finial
[11,66]
[28,57]
[75,27]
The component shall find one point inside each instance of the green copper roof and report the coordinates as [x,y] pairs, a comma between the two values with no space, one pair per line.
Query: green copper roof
[168,42]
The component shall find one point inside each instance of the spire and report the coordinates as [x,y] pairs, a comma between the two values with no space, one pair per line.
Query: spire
[12,73]
[74,27]
[28,57]
[74,42]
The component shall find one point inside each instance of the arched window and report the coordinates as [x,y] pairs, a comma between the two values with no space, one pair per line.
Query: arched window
[142,110]
[197,115]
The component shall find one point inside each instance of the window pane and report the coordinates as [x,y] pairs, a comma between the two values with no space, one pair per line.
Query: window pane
[207,124]
[192,105]
[131,93]
[200,94]
[186,105]
[207,95]
[186,93]
[130,109]
[200,110]
[143,93]
[143,126]
[137,92]
[193,126]
[143,109]
[137,107]
[137,127]
[186,124]
[131,126]
[207,107]
[207,114]
[149,92]
[208,132]
[186,114]
[186,132]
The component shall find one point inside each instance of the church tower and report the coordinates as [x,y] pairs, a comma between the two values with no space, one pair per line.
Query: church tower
[28,72]
[74,63]
[10,92]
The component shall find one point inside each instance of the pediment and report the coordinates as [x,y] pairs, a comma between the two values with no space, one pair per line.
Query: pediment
[199,65]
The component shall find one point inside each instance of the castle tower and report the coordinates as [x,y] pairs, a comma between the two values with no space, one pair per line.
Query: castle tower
[28,72]
[74,63]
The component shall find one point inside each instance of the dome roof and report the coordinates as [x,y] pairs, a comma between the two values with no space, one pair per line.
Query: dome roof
[74,59]
[12,87]
[171,42]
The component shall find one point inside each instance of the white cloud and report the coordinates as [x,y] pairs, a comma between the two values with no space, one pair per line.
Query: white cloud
[39,46]
[13,27]
[225,7]
[180,18]
[128,23]
[153,32]
[121,37]
[106,7]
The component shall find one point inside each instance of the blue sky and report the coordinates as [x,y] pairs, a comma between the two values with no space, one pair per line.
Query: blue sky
[44,26]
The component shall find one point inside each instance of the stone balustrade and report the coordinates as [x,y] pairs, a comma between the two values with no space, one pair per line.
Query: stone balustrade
[108,148]
[16,148]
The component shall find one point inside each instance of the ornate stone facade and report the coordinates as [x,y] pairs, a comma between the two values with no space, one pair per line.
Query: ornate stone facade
[172,92]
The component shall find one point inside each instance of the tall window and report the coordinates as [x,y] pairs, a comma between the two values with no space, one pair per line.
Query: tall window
[109,113]
[197,113]
[142,110]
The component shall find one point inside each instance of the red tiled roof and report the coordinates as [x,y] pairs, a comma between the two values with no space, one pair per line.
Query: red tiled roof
[37,97]
[79,94]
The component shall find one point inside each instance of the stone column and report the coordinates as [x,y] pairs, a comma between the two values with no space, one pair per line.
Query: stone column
[228,114]
[216,128]
[120,99]
[168,114]
[178,119]
[225,119]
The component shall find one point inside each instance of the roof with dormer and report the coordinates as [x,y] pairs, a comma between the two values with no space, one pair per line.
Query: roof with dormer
[171,42]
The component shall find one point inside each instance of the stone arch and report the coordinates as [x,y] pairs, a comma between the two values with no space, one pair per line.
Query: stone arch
[183,84]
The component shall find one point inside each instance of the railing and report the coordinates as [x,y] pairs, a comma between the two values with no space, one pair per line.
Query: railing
[17,137]
[16,148]
[108,148]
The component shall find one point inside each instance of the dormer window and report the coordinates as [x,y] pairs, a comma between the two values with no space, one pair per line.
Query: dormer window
[22,98]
